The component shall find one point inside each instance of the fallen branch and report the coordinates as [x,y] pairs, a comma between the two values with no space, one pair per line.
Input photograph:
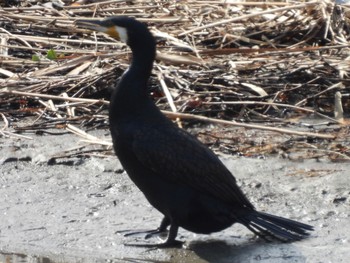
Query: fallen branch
[174,115]
[248,126]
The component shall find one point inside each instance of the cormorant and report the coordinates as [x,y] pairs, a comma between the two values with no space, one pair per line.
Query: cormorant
[178,175]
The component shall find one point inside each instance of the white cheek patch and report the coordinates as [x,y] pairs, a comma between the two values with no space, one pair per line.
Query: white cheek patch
[123,35]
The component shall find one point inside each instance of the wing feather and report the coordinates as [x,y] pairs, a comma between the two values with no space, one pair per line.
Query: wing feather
[177,156]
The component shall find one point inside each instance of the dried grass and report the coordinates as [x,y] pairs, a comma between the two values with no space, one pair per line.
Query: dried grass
[272,66]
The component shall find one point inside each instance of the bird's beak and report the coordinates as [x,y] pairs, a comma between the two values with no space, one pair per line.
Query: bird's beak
[99,26]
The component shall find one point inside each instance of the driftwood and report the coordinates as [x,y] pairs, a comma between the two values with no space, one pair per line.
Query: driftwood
[263,66]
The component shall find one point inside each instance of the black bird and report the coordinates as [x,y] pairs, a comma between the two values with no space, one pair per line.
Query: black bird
[178,175]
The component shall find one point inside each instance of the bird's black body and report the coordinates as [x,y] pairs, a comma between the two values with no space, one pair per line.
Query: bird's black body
[178,175]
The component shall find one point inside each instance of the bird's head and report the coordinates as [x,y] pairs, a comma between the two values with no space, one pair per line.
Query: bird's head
[123,28]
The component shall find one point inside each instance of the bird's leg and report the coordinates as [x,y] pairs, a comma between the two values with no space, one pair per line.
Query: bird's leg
[171,239]
[161,229]
[169,242]
[149,233]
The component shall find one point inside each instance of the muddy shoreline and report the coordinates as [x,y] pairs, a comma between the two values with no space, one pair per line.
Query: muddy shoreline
[70,210]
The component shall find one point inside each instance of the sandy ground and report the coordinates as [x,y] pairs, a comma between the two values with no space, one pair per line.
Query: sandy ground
[70,210]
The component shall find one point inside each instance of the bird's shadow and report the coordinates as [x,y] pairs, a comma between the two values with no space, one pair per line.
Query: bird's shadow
[220,251]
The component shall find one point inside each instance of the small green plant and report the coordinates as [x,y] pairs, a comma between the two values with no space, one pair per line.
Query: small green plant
[50,54]
[35,57]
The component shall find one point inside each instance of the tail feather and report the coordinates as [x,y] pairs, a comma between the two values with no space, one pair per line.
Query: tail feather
[271,227]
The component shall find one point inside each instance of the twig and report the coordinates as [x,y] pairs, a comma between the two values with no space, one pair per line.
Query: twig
[47,96]
[338,108]
[272,104]
[8,133]
[87,137]
[187,116]
[6,122]
[248,126]
[337,85]
[243,17]
[166,90]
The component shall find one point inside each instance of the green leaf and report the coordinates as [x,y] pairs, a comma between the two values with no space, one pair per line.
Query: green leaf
[35,58]
[51,54]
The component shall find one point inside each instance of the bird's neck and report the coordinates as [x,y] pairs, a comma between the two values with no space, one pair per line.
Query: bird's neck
[142,62]
[131,94]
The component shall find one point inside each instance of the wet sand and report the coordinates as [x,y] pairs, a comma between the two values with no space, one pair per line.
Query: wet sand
[71,210]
